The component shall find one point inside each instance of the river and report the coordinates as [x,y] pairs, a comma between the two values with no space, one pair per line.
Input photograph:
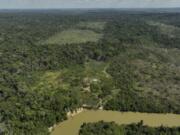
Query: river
[72,125]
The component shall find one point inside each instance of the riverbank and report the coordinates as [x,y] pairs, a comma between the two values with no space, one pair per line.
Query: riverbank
[69,115]
[72,125]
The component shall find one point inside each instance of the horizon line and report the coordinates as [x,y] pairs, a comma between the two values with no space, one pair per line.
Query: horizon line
[89,8]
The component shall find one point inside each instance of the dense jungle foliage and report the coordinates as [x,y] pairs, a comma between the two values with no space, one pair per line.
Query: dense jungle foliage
[130,63]
[104,128]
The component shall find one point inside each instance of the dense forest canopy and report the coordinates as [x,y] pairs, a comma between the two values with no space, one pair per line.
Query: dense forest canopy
[131,63]
[105,128]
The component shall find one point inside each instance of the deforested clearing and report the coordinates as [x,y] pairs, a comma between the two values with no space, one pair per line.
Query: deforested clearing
[74,36]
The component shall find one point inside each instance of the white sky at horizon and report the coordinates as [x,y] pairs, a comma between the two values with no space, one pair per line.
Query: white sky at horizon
[5,4]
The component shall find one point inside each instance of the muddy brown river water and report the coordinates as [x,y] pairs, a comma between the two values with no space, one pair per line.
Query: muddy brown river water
[72,125]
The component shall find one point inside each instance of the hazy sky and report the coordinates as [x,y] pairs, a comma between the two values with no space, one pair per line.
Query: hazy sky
[88,3]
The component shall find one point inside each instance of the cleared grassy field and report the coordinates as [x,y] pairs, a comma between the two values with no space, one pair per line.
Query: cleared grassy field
[58,79]
[88,81]
[92,25]
[169,30]
[74,36]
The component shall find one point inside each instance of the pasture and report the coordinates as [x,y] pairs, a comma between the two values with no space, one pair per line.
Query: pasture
[74,36]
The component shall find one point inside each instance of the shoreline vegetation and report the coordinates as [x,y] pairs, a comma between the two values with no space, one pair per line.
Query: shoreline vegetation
[112,128]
